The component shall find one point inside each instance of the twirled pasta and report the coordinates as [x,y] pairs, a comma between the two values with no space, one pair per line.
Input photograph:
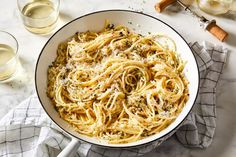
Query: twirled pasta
[117,85]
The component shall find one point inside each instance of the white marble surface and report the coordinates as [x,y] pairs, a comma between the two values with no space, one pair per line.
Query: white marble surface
[12,93]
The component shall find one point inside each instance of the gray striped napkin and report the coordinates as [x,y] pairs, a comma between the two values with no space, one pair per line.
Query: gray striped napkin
[27,131]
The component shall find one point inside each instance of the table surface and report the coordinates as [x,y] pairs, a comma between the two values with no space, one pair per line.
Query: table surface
[30,45]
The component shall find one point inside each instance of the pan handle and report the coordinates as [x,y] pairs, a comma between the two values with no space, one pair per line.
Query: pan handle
[70,149]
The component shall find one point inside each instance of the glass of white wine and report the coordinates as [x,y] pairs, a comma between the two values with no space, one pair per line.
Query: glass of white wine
[8,56]
[39,16]
[217,7]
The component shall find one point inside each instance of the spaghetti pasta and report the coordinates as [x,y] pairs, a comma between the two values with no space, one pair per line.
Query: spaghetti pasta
[116,85]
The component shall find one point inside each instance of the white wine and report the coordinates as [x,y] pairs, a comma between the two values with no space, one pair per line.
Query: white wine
[215,7]
[40,17]
[7,62]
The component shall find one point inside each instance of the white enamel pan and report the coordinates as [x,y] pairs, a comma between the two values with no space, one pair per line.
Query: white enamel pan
[138,22]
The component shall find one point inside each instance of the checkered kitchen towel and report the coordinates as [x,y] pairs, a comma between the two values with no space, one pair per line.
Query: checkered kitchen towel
[27,131]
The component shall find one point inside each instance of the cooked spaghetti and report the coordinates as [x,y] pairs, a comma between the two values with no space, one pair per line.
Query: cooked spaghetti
[116,85]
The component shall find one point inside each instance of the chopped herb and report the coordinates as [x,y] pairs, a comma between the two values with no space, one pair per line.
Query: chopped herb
[130,23]
[140,35]
[110,26]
